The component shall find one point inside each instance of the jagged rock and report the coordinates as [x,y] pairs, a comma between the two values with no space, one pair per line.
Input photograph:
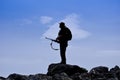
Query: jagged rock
[30,77]
[61,76]
[116,68]
[99,69]
[70,72]
[83,76]
[76,76]
[118,74]
[115,72]
[40,77]
[65,68]
[2,78]
[99,72]
[17,77]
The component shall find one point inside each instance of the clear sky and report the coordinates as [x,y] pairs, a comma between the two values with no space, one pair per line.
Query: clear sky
[95,25]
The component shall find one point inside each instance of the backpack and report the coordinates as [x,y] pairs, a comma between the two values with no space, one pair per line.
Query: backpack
[69,34]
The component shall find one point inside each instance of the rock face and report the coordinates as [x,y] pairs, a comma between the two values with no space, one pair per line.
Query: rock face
[70,72]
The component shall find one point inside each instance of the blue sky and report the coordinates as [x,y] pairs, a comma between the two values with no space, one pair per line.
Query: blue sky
[95,25]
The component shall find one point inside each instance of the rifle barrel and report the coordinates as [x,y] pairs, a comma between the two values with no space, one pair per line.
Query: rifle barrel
[49,39]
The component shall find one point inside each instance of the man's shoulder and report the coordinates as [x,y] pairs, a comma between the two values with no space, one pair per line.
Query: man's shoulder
[67,28]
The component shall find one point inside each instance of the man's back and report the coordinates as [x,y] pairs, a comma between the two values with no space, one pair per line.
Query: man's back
[65,34]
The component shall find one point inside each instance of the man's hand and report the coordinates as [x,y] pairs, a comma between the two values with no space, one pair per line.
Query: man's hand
[57,41]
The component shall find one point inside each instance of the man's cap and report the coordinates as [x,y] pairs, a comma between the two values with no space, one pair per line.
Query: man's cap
[62,23]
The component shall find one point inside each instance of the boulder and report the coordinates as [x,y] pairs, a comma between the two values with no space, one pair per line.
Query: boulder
[115,72]
[65,68]
[30,77]
[2,78]
[99,72]
[115,69]
[15,76]
[99,69]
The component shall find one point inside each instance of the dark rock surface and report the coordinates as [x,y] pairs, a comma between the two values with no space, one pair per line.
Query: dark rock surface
[70,72]
[68,69]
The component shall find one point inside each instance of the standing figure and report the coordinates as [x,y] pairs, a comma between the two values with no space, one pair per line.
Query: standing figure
[64,36]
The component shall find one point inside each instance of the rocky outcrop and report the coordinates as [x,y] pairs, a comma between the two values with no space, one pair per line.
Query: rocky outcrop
[65,68]
[70,72]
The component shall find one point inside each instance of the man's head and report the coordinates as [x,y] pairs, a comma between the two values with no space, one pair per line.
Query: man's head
[62,25]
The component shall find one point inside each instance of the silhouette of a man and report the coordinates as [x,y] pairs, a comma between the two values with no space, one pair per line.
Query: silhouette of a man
[64,35]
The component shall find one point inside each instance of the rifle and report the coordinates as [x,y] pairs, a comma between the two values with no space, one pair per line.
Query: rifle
[52,40]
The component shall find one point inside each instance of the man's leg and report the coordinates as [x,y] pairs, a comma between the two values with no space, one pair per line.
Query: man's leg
[63,53]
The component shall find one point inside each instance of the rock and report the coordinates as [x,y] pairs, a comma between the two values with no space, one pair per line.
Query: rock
[17,77]
[2,78]
[115,72]
[99,72]
[61,76]
[83,76]
[70,72]
[65,68]
[40,77]
[99,69]
[76,76]
[118,74]
[30,77]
